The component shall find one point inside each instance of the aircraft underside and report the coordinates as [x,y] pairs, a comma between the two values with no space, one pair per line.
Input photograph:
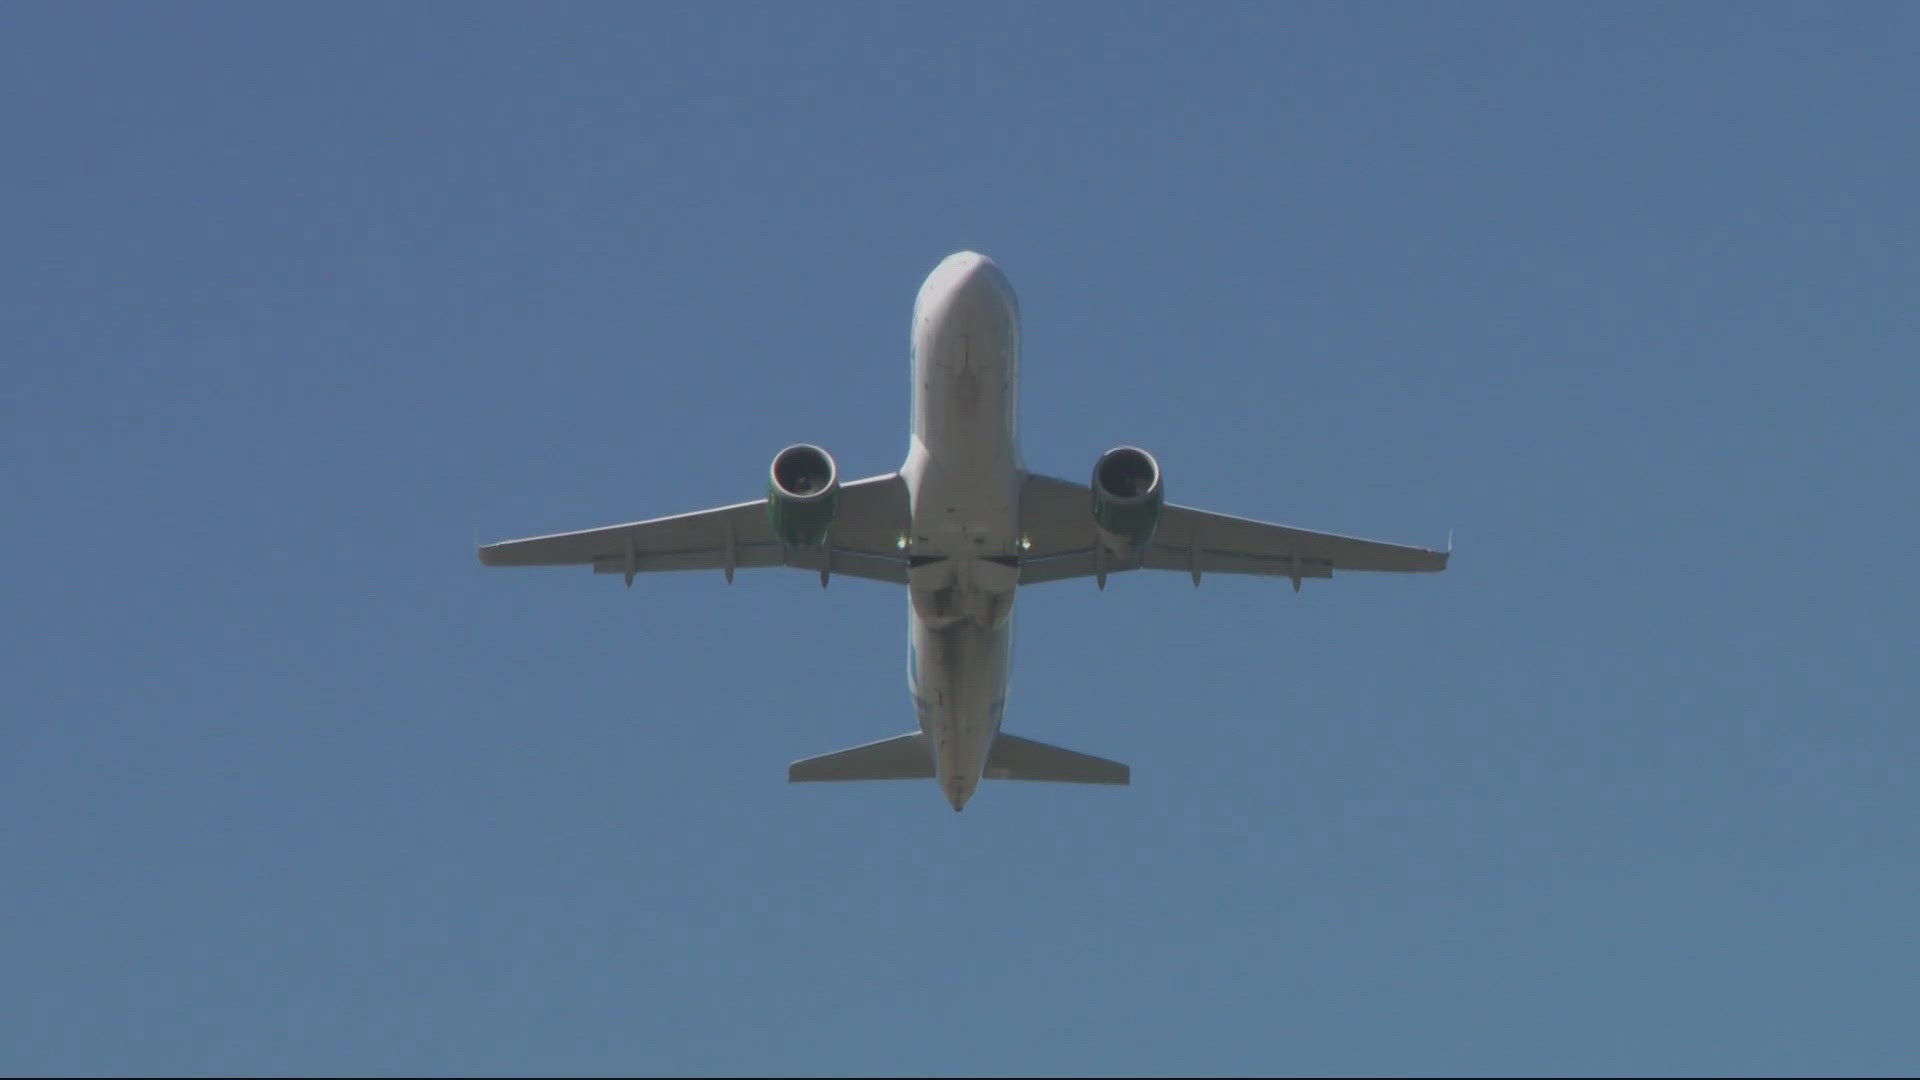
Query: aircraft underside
[962,524]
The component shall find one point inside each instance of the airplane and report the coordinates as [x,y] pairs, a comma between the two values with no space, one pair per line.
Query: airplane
[962,524]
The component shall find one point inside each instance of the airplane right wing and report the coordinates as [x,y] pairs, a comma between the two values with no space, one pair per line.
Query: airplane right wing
[1056,517]
[862,542]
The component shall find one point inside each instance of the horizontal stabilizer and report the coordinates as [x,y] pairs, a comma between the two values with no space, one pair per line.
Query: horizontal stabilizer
[1015,758]
[903,757]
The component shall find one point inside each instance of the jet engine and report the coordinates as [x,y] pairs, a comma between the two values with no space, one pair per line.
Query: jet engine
[1126,494]
[802,489]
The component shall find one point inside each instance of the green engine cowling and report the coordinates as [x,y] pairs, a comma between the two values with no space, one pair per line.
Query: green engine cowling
[1127,495]
[803,490]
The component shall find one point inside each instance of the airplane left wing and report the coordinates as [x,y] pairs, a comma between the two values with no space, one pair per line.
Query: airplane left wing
[862,542]
[1056,518]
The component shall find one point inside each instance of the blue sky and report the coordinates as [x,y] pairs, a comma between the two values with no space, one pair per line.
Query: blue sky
[297,303]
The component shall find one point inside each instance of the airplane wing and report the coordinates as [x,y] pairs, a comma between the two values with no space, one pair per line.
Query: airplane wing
[1056,518]
[863,541]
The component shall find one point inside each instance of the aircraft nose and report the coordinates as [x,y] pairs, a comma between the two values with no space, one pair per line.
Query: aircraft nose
[976,284]
[973,270]
[961,262]
[966,286]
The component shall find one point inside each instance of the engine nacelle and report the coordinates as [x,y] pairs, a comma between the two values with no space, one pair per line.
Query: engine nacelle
[1127,495]
[803,490]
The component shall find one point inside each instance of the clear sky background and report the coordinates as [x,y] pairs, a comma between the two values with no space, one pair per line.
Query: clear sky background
[297,302]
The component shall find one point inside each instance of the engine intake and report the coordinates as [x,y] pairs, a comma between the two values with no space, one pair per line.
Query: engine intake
[1127,495]
[803,490]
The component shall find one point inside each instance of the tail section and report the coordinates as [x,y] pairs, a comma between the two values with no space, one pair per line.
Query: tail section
[907,757]
[903,757]
[1015,758]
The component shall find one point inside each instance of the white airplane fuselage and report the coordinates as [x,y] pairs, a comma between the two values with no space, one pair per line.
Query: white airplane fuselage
[963,473]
